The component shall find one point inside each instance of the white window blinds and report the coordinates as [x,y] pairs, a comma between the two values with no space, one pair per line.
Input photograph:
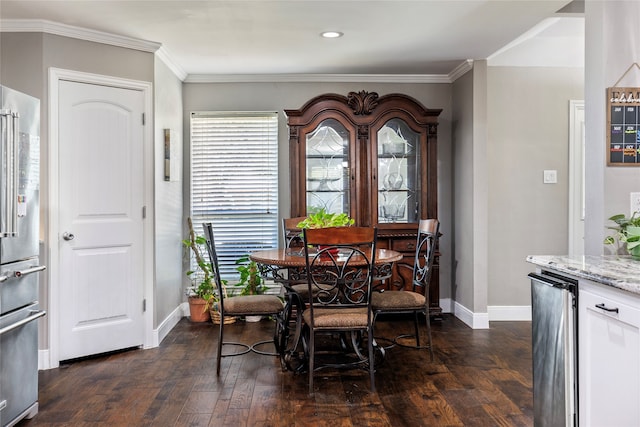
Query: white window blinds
[234,182]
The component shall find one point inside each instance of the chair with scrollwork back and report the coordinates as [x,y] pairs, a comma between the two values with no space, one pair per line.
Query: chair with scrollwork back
[291,233]
[339,266]
[294,282]
[240,305]
[416,300]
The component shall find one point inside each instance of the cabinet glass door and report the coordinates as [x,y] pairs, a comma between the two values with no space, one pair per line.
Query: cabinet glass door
[398,173]
[327,159]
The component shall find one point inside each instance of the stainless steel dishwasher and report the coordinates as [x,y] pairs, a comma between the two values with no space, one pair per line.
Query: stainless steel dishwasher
[554,344]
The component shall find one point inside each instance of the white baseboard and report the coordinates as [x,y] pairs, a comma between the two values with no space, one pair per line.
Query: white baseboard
[494,313]
[167,324]
[43,359]
[509,313]
[473,320]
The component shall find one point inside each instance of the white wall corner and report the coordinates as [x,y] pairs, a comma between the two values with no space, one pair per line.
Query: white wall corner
[43,359]
[473,320]
[460,70]
[509,313]
[169,61]
[168,324]
[446,304]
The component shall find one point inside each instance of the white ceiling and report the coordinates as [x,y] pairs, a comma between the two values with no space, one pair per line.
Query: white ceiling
[415,37]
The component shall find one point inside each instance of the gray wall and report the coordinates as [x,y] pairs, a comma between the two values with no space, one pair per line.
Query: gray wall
[528,132]
[611,48]
[509,124]
[168,194]
[280,96]
[25,60]
[462,138]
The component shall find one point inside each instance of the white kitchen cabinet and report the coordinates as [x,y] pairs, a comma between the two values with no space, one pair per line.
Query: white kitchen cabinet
[608,356]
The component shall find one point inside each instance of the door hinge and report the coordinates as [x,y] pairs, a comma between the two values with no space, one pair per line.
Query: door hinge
[143,123]
[144,305]
[144,212]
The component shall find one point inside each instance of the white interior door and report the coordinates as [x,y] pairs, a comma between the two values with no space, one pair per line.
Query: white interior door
[100,199]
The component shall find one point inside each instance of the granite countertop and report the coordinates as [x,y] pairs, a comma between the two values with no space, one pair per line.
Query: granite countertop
[618,271]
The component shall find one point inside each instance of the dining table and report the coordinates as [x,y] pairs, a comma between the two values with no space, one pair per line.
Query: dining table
[287,266]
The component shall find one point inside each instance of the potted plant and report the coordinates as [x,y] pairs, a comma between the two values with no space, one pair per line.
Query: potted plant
[251,281]
[320,218]
[323,219]
[201,294]
[627,231]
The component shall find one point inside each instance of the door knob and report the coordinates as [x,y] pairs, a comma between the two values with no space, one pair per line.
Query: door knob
[68,236]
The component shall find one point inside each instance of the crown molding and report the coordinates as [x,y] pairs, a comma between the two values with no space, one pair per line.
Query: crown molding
[43,26]
[50,27]
[460,70]
[165,57]
[323,78]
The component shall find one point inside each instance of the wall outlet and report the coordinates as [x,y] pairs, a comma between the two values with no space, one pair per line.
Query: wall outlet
[635,203]
[550,176]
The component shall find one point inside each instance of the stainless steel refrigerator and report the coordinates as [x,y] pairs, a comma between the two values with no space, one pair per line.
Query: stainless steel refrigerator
[554,335]
[19,250]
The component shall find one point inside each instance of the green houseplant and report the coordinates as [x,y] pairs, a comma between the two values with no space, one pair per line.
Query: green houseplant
[201,293]
[320,218]
[323,219]
[627,231]
[251,281]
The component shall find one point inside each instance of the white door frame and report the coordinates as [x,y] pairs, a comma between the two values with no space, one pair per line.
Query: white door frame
[576,177]
[53,267]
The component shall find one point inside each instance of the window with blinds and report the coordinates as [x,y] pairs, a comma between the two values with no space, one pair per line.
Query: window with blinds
[234,182]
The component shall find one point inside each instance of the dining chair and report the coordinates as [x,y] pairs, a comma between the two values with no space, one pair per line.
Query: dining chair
[240,305]
[416,300]
[291,233]
[294,283]
[339,265]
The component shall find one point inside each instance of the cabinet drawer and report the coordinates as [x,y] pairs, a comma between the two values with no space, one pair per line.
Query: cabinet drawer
[404,245]
[610,306]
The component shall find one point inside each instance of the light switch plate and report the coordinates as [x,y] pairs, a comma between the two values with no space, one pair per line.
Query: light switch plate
[550,176]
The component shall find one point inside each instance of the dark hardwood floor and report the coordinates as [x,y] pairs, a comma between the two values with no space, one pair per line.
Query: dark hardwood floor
[478,378]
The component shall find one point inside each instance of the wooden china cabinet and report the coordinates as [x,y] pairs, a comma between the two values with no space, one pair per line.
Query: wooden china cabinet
[373,157]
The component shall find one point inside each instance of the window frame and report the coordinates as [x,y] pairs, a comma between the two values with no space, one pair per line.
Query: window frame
[215,164]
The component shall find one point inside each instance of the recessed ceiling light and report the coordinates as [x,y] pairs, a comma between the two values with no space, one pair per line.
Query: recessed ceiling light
[331,34]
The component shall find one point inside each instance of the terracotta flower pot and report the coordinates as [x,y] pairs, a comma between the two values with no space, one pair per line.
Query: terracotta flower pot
[198,310]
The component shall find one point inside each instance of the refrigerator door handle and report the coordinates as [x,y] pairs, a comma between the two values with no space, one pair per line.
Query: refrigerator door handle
[9,162]
[35,315]
[21,273]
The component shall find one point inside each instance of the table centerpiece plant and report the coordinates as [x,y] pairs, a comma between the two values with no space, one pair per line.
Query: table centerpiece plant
[627,232]
[320,218]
